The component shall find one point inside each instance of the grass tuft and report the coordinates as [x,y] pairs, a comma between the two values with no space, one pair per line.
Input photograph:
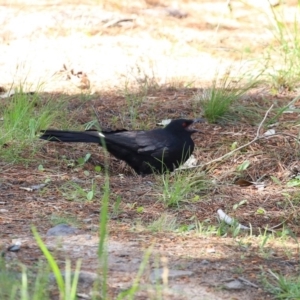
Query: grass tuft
[217,100]
[282,287]
[180,187]
[285,71]
[23,116]
[164,223]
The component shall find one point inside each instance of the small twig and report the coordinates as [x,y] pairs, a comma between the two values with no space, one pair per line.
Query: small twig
[247,282]
[116,21]
[257,137]
[263,120]
[284,133]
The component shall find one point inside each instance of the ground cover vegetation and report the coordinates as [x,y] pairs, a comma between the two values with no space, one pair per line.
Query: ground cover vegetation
[233,214]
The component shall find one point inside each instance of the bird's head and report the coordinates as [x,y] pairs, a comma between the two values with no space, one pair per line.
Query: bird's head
[184,124]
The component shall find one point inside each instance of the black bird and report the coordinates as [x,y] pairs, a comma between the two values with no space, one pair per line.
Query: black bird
[158,150]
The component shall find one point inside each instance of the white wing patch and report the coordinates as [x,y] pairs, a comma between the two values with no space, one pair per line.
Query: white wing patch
[101,134]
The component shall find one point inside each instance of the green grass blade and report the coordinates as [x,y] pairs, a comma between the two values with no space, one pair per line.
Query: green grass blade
[52,263]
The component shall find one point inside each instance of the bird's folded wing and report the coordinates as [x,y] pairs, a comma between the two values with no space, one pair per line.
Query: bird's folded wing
[142,142]
[156,146]
[158,153]
[124,139]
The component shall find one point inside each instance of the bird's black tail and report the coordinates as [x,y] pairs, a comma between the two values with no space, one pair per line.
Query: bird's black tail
[71,136]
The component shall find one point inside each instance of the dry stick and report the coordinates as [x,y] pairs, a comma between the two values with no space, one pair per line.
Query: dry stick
[117,21]
[247,282]
[263,120]
[257,137]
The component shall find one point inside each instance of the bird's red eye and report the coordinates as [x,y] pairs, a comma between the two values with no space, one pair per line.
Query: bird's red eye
[184,124]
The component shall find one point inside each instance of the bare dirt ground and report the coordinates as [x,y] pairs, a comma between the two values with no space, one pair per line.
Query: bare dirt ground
[148,42]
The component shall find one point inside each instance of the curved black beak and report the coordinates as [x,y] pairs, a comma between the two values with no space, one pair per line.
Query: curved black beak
[199,120]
